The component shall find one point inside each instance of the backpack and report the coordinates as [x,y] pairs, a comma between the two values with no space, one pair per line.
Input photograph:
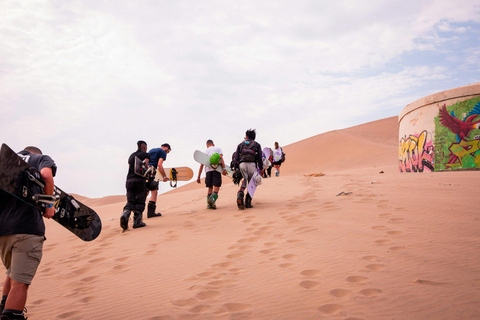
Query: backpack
[249,152]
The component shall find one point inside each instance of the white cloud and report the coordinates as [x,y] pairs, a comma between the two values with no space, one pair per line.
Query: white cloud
[88,79]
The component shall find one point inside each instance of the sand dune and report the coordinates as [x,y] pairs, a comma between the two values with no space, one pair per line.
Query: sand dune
[353,243]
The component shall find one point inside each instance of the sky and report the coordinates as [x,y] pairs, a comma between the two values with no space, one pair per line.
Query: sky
[85,80]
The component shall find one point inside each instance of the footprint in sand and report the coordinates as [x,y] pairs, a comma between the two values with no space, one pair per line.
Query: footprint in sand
[89,279]
[375,267]
[285,265]
[383,242]
[394,233]
[330,308]
[371,258]
[271,244]
[87,299]
[289,256]
[385,215]
[121,267]
[203,295]
[370,292]
[234,255]
[68,315]
[293,241]
[396,220]
[234,307]
[222,265]
[251,239]
[200,309]
[357,279]
[340,293]
[397,248]
[310,272]
[216,284]
[266,251]
[309,284]
[219,275]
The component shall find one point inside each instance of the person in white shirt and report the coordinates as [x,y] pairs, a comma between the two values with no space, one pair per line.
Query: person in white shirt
[213,178]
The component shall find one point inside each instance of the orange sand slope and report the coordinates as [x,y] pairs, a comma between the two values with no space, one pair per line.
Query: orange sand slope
[391,246]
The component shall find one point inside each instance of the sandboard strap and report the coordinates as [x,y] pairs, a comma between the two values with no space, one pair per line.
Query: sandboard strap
[173,178]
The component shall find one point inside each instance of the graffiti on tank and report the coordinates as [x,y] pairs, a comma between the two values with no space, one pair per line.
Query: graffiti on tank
[464,154]
[457,132]
[416,153]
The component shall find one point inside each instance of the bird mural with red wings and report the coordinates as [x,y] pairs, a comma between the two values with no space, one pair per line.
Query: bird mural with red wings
[460,128]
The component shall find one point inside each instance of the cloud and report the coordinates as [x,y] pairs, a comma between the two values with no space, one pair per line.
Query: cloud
[86,80]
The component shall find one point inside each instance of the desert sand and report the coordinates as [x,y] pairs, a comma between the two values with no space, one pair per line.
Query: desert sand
[341,234]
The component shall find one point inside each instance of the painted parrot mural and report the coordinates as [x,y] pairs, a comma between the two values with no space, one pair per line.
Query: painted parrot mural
[460,128]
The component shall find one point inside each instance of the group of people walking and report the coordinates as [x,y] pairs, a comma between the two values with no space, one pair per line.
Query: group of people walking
[246,160]
[22,229]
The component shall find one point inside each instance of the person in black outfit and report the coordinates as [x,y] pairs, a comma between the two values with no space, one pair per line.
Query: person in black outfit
[136,186]
[248,159]
[22,233]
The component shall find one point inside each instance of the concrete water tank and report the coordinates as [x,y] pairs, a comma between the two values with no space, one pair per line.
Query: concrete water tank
[441,131]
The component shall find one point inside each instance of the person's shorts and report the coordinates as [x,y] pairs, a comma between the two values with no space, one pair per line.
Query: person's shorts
[213,179]
[152,185]
[21,255]
[277,163]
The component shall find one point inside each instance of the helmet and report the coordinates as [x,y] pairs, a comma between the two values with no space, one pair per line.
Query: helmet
[215,159]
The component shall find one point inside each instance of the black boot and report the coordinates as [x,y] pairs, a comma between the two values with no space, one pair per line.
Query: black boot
[2,304]
[12,314]
[248,201]
[124,218]
[151,210]
[137,220]
[240,204]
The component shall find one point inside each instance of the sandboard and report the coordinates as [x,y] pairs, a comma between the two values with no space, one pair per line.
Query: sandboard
[69,212]
[252,186]
[266,152]
[204,159]
[178,174]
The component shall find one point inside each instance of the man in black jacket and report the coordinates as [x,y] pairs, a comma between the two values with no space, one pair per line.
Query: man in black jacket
[248,160]
[136,186]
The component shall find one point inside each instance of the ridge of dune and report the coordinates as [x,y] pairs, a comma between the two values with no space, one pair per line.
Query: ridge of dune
[377,140]
[369,145]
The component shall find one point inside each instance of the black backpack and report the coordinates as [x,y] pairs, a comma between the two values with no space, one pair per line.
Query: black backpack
[249,152]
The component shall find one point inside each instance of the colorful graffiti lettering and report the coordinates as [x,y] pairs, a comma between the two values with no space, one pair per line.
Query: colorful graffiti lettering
[465,155]
[416,153]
